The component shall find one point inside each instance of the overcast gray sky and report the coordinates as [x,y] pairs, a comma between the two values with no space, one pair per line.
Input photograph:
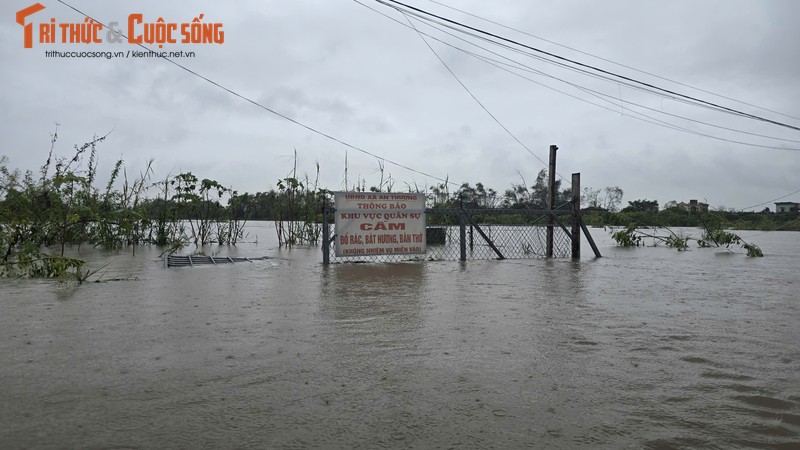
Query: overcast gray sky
[364,79]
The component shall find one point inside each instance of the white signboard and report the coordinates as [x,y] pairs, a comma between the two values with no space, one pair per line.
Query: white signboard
[377,223]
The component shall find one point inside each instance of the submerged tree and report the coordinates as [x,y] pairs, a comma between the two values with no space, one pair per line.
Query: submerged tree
[713,235]
[520,196]
[43,214]
[57,209]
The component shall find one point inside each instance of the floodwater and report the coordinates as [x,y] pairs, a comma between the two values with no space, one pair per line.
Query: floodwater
[645,348]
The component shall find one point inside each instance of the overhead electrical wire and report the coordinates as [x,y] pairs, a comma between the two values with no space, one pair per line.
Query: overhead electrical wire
[592,92]
[497,64]
[422,36]
[633,86]
[270,110]
[599,94]
[520,51]
[652,120]
[770,201]
[628,102]
[610,61]
[581,66]
[473,95]
[486,59]
[494,62]
[566,66]
[574,69]
[446,181]
[595,93]
[477,100]
[630,111]
[779,227]
[409,8]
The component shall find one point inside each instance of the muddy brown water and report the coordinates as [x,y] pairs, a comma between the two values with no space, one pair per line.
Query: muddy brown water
[643,348]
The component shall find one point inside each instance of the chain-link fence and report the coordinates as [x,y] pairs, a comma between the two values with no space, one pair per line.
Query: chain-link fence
[480,234]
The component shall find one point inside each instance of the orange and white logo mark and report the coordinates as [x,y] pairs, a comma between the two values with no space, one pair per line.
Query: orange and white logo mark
[21,15]
[139,30]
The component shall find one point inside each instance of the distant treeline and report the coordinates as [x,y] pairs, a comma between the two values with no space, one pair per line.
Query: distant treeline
[62,205]
[678,217]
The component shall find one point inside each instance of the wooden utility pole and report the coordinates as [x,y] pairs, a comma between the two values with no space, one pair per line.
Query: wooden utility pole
[551,201]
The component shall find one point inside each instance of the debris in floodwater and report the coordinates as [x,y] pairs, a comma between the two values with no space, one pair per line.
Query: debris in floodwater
[198,260]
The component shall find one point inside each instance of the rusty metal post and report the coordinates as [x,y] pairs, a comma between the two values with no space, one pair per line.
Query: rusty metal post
[471,239]
[326,244]
[576,216]
[462,231]
[551,201]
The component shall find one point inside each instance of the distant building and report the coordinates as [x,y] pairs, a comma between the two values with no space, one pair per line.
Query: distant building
[693,206]
[785,207]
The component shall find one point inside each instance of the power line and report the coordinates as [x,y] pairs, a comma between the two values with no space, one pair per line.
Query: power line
[265,108]
[770,201]
[464,86]
[651,120]
[560,64]
[533,55]
[599,95]
[635,84]
[421,35]
[611,61]
[487,59]
[592,92]
[473,95]
[588,66]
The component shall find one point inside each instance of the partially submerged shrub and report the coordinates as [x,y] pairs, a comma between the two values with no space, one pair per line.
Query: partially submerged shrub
[681,243]
[627,237]
[753,250]
[631,236]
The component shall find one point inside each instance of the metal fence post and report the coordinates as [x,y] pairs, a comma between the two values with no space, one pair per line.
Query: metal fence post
[576,216]
[326,244]
[551,202]
[462,231]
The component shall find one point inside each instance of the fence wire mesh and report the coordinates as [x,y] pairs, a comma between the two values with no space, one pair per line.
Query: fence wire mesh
[511,241]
